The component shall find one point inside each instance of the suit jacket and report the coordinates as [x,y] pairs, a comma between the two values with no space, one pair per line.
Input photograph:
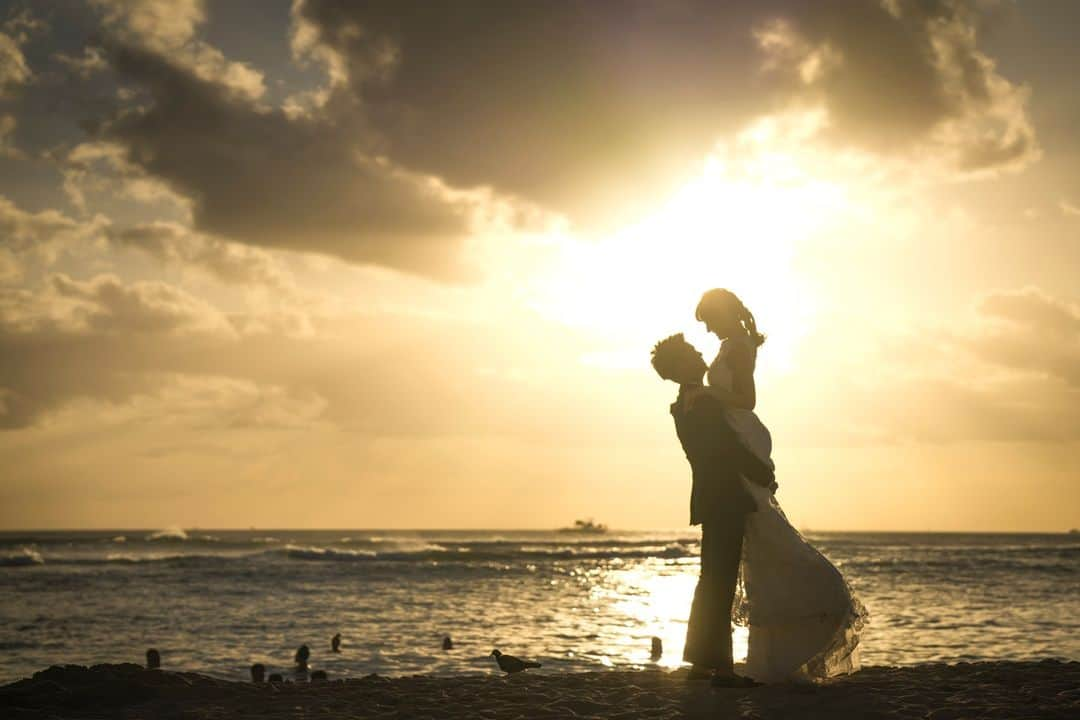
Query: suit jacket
[717,460]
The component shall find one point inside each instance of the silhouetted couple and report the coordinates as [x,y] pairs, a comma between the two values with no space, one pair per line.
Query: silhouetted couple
[803,620]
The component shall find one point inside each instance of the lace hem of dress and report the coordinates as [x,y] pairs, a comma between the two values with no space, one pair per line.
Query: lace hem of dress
[839,656]
[838,652]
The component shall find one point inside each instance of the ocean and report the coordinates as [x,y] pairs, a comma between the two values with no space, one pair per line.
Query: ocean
[215,602]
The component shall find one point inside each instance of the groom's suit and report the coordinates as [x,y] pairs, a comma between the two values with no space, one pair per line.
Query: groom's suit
[719,503]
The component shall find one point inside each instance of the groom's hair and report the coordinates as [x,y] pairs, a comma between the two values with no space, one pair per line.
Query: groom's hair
[668,354]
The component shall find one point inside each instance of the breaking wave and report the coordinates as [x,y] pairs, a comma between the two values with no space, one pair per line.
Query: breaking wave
[23,558]
[412,552]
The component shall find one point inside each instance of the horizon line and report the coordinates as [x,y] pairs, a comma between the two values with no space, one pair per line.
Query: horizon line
[609,531]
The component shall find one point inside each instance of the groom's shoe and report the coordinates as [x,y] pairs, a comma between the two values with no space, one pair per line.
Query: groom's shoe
[733,681]
[699,674]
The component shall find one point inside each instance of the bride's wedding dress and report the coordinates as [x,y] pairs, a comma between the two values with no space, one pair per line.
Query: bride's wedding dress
[803,618]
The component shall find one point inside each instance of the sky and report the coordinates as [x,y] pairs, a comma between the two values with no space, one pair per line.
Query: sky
[400,265]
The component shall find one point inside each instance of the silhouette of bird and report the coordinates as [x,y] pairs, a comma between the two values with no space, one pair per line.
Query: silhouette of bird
[510,664]
[335,643]
[447,643]
[153,659]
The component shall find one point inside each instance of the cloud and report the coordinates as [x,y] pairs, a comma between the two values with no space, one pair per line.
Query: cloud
[14,33]
[903,76]
[427,124]
[131,347]
[8,123]
[93,339]
[41,238]
[21,229]
[935,409]
[160,23]
[168,27]
[1031,331]
[256,176]
[1068,209]
[14,71]
[106,305]
[90,62]
[11,270]
[1011,374]
[591,111]
[229,262]
[103,168]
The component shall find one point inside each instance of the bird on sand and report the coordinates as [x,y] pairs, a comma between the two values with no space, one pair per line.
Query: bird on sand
[510,664]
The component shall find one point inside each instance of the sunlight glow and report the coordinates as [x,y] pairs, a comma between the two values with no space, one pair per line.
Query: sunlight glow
[739,225]
[656,600]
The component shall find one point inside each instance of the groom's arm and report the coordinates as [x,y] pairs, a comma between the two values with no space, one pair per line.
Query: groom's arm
[720,440]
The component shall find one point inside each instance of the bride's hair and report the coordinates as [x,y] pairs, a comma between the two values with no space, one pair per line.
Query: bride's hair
[723,300]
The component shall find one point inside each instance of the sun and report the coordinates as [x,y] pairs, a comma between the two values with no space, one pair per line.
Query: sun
[739,225]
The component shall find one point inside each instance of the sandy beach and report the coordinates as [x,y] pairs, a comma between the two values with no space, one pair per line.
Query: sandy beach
[1047,689]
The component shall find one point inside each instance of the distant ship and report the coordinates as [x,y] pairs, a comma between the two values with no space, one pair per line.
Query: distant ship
[586,526]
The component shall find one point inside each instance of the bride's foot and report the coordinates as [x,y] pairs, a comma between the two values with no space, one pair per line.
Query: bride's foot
[733,681]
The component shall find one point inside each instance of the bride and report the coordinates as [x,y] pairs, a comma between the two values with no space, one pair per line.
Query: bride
[803,619]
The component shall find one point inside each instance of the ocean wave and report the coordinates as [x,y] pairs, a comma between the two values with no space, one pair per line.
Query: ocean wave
[175,534]
[24,558]
[324,553]
[169,533]
[437,553]
[135,559]
[419,553]
[1062,564]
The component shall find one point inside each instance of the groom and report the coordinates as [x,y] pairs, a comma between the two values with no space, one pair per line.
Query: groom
[718,502]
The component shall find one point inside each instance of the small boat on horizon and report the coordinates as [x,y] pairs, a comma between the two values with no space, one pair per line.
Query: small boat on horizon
[586,526]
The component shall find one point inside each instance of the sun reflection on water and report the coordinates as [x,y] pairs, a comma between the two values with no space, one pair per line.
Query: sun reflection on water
[652,599]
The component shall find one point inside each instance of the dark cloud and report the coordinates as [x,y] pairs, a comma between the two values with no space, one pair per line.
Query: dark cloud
[595,110]
[256,176]
[433,113]
[902,75]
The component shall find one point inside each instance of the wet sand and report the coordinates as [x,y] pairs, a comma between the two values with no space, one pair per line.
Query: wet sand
[1048,689]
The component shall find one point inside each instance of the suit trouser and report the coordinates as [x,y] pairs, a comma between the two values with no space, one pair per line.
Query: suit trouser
[708,634]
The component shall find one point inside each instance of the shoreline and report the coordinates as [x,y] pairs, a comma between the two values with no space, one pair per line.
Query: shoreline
[1004,689]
